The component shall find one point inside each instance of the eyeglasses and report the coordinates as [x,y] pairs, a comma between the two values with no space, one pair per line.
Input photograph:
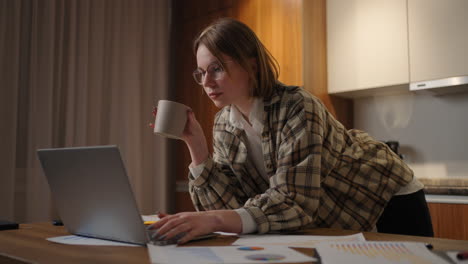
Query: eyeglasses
[215,70]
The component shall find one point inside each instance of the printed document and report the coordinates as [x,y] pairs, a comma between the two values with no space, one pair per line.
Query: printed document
[225,254]
[376,253]
[80,240]
[298,241]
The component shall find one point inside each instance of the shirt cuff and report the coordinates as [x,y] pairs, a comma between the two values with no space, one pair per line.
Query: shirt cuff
[248,223]
[197,170]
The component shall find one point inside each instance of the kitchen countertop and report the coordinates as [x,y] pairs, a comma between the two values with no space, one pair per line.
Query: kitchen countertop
[449,199]
[443,190]
[444,186]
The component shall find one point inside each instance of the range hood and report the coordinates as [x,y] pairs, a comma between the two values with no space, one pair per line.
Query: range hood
[455,82]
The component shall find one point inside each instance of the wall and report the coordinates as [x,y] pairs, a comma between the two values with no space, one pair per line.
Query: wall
[432,129]
[188,18]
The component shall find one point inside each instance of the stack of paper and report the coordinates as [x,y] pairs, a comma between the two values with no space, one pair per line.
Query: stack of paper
[248,249]
[275,249]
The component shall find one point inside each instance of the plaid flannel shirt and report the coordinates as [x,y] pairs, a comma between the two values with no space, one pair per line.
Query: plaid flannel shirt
[320,175]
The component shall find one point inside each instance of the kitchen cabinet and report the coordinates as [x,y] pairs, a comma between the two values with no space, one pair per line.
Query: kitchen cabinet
[367,44]
[385,46]
[449,220]
[438,39]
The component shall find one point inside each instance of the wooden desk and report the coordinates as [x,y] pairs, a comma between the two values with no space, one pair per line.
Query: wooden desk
[28,244]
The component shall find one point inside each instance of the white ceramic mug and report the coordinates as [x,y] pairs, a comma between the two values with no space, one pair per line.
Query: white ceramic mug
[170,119]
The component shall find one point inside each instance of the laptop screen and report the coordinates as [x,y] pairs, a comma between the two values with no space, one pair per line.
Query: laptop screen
[92,193]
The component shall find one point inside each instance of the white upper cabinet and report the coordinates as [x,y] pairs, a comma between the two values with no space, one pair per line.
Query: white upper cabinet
[438,39]
[390,44]
[367,44]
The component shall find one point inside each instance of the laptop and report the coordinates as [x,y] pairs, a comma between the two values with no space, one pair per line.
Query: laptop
[92,193]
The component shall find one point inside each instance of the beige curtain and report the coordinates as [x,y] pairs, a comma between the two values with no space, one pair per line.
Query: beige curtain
[80,73]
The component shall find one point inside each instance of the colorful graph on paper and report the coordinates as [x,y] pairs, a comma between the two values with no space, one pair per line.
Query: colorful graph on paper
[300,241]
[376,252]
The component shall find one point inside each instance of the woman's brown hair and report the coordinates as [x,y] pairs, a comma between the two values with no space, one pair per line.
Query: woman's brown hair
[236,40]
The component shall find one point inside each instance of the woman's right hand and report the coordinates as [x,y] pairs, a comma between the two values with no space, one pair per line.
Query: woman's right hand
[192,130]
[193,136]
[195,139]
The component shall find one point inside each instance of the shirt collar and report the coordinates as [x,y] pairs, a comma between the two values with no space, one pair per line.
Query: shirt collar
[255,117]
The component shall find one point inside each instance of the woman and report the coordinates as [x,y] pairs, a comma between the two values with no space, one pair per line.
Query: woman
[281,161]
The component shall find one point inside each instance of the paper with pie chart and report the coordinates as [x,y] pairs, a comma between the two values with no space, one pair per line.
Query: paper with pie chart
[226,254]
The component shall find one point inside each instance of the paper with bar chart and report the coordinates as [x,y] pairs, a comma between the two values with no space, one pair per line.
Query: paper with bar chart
[299,241]
[376,253]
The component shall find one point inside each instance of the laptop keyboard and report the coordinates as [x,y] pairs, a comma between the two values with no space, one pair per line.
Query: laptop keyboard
[152,234]
[160,241]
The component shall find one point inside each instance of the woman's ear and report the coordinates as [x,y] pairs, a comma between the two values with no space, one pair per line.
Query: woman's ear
[253,64]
